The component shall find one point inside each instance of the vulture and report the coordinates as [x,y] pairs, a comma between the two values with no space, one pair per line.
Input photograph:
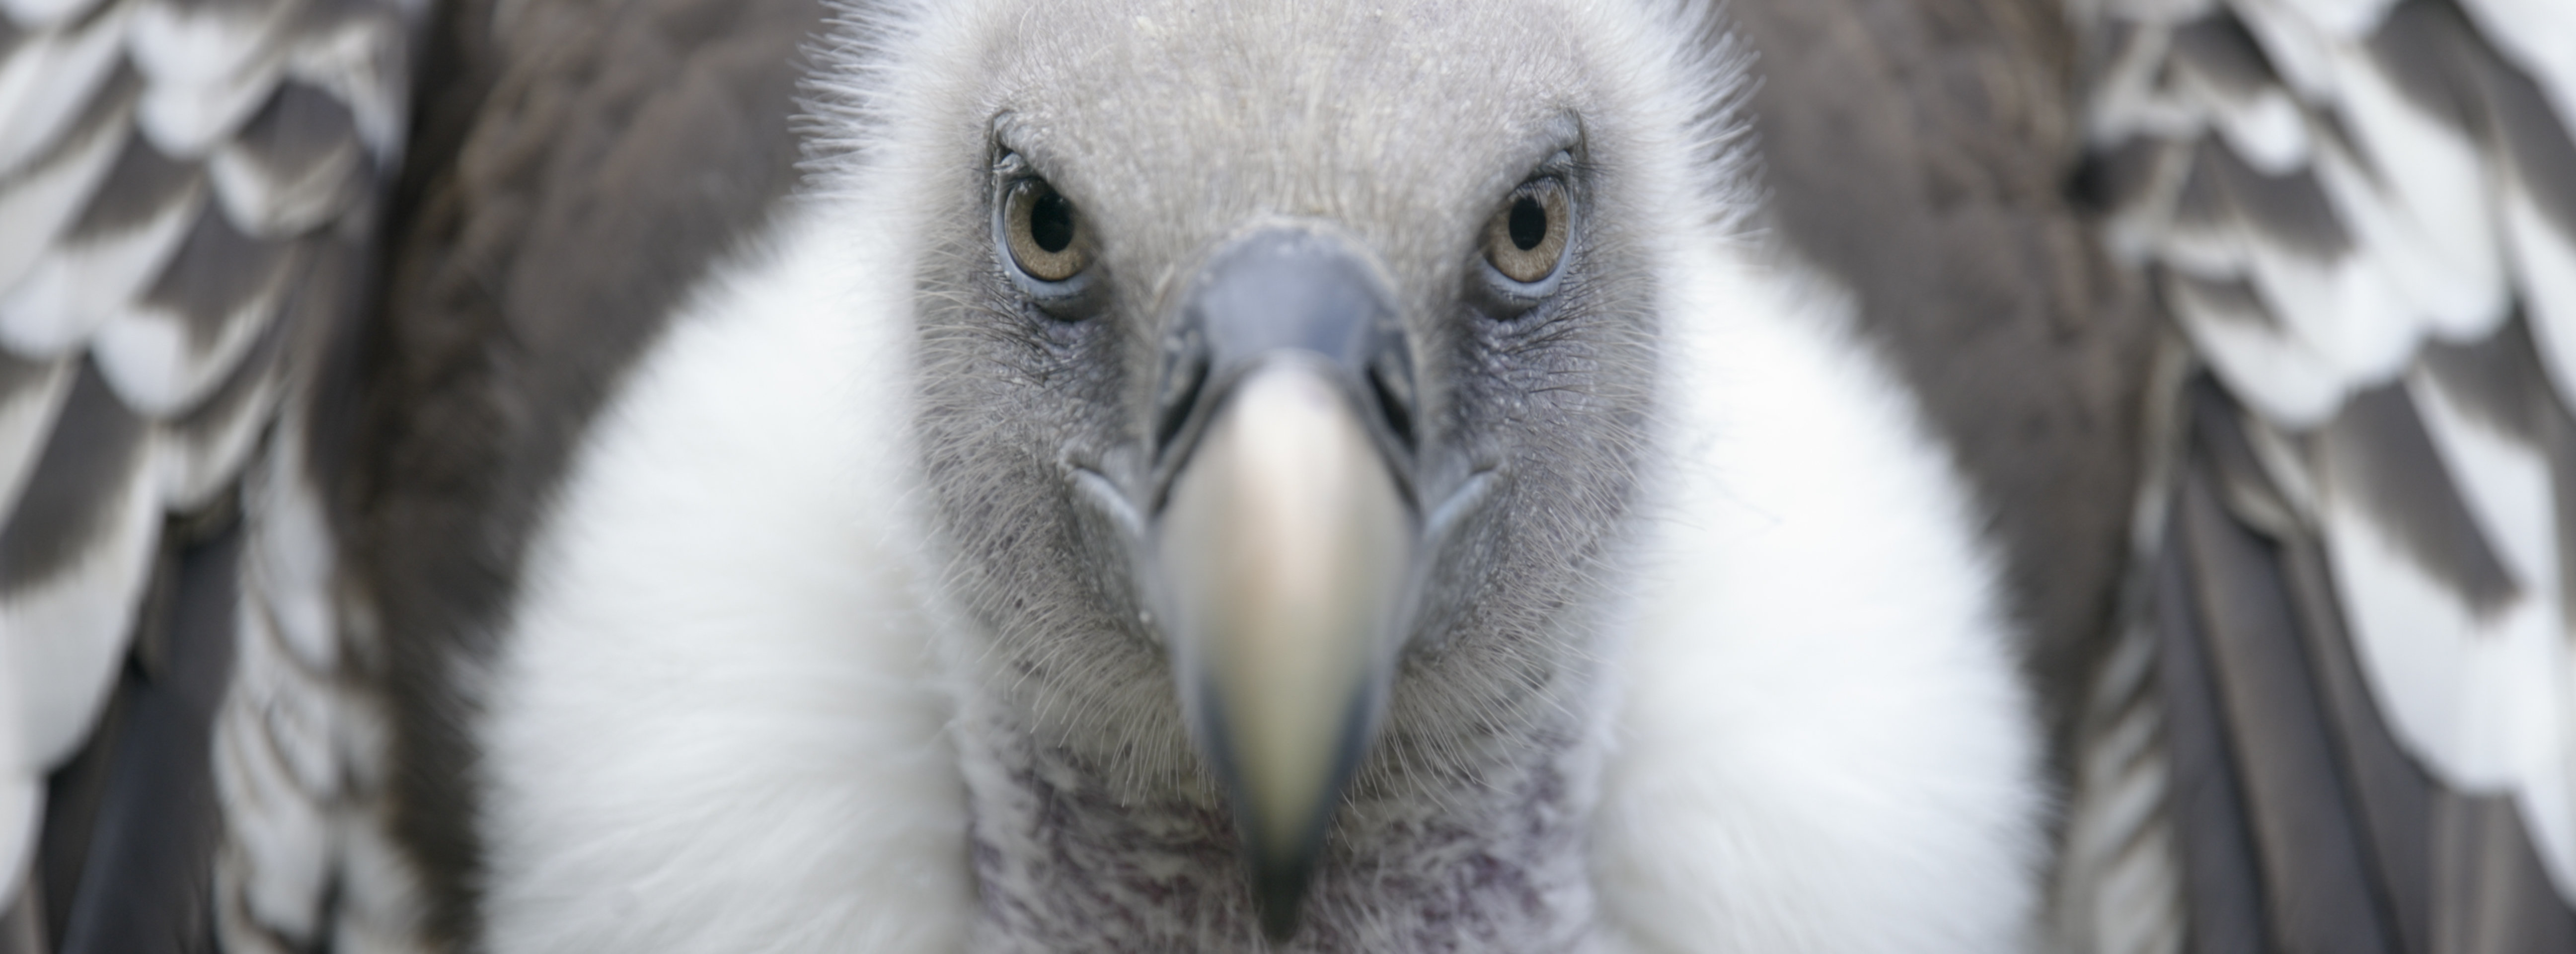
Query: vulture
[1332,475]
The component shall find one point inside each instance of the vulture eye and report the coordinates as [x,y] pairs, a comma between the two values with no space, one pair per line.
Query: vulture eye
[1044,232]
[1527,237]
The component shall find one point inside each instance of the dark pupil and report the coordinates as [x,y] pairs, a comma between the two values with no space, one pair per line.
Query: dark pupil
[1051,222]
[1529,223]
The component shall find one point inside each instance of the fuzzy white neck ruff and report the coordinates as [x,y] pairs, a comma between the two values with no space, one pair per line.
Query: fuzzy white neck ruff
[717,724]
[721,718]
[1821,740]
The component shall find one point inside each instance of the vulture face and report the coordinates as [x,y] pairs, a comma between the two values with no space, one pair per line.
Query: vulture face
[1283,377]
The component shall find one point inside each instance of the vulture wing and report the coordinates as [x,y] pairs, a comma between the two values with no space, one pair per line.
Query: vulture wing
[578,167]
[2351,685]
[188,194]
[233,457]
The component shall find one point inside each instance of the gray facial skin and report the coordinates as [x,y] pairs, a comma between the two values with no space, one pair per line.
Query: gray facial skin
[1130,469]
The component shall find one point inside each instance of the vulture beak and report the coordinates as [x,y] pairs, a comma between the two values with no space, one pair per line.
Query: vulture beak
[1286,534]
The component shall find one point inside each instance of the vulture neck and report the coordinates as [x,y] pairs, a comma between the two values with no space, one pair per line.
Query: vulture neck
[1481,844]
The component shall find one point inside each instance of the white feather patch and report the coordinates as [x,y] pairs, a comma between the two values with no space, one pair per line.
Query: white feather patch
[714,724]
[380,894]
[2128,102]
[291,559]
[2482,702]
[362,62]
[2339,19]
[262,204]
[41,14]
[2540,37]
[75,286]
[2342,307]
[187,118]
[275,772]
[2544,266]
[147,354]
[2279,374]
[26,419]
[175,43]
[2216,251]
[2120,888]
[45,81]
[63,637]
[2266,129]
[2505,482]
[202,458]
[37,206]
[2162,11]
[2137,233]
[299,753]
[2425,217]
[22,799]
[2300,52]
[1822,743]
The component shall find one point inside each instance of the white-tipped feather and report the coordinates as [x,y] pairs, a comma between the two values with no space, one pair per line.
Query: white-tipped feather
[150,357]
[300,751]
[2337,19]
[266,757]
[187,120]
[2544,270]
[2136,235]
[180,44]
[2481,700]
[76,286]
[379,900]
[39,204]
[353,60]
[2161,11]
[26,421]
[41,14]
[2276,372]
[63,636]
[2215,252]
[260,202]
[204,457]
[2343,308]
[22,800]
[22,806]
[2120,889]
[2535,35]
[2420,204]
[2129,102]
[2506,483]
[46,79]
[290,564]
[2299,49]
[2266,129]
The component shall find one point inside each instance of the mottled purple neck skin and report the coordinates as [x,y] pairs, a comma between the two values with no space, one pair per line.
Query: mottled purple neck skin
[1488,858]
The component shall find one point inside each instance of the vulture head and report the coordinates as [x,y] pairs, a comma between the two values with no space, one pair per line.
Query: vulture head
[1283,382]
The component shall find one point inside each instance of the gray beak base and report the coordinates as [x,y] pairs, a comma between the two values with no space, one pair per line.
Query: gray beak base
[1287,540]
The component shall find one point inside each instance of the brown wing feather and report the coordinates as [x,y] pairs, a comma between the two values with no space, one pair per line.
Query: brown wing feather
[582,164]
[2351,221]
[181,187]
[1916,151]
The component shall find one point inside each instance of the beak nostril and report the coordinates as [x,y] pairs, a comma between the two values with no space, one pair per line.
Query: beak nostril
[1394,402]
[1184,379]
[1284,293]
